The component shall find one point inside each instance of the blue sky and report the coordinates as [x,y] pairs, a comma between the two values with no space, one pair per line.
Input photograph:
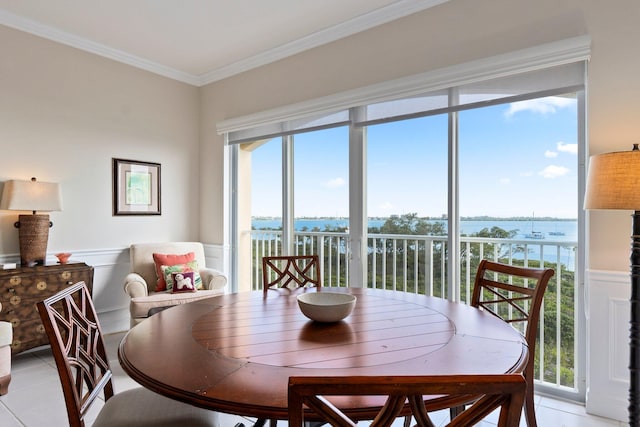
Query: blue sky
[516,159]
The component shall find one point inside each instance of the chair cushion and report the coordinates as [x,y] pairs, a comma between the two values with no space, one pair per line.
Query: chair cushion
[168,259]
[140,306]
[141,407]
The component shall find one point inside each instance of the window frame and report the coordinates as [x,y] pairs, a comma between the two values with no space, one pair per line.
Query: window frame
[537,58]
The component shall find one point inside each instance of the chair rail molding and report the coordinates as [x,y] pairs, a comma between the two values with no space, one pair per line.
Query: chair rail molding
[607,305]
[110,266]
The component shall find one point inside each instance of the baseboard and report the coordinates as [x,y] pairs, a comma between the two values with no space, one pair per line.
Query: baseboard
[606,405]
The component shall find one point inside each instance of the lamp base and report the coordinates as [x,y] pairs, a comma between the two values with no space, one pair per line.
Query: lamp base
[33,235]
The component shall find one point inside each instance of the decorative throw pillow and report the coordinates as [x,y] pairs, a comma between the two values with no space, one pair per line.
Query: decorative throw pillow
[183,282]
[169,259]
[192,266]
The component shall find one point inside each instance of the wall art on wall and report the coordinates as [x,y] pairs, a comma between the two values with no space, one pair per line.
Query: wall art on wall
[136,187]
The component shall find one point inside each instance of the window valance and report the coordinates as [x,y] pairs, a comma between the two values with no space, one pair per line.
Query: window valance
[555,68]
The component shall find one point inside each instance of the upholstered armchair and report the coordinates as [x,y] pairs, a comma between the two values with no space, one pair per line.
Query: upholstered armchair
[6,337]
[142,283]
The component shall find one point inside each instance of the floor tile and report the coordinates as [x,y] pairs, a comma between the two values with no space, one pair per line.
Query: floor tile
[7,419]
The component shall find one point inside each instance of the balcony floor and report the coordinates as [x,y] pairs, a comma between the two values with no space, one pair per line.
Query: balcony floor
[35,397]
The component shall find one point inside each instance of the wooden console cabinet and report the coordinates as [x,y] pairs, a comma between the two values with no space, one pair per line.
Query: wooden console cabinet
[21,288]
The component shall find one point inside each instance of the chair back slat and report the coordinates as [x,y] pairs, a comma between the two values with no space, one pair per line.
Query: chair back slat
[309,397]
[512,293]
[71,324]
[290,272]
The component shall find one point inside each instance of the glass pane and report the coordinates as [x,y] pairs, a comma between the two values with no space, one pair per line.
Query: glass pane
[266,184]
[518,168]
[260,206]
[407,204]
[321,200]
[519,181]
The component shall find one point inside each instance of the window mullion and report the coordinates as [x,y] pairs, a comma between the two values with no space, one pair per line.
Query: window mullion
[357,202]
[453,235]
[287,196]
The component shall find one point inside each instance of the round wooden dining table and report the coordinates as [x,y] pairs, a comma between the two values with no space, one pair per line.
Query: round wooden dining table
[235,353]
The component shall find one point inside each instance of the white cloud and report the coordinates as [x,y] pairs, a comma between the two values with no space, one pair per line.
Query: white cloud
[553,171]
[567,148]
[335,183]
[547,105]
[505,181]
[551,154]
[386,206]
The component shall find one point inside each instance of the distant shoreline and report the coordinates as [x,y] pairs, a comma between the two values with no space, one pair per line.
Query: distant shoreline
[539,229]
[382,218]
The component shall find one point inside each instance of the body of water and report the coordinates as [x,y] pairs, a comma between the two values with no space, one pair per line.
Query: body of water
[554,230]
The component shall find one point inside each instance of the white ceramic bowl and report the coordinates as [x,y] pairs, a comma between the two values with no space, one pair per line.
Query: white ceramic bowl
[326,306]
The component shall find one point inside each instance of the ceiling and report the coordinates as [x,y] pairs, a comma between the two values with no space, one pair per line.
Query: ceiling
[200,41]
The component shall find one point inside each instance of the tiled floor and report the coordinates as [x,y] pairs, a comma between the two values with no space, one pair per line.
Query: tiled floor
[35,397]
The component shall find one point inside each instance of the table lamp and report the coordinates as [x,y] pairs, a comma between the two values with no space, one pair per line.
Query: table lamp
[613,182]
[33,230]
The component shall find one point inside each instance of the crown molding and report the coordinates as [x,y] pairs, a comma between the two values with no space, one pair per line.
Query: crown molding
[17,22]
[361,23]
[353,26]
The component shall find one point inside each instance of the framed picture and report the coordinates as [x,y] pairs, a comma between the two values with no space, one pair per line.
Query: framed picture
[136,187]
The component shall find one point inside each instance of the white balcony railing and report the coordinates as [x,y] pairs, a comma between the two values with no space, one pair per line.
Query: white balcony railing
[414,263]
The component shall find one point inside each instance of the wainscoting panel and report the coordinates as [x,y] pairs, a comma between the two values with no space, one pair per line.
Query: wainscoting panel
[608,308]
[110,266]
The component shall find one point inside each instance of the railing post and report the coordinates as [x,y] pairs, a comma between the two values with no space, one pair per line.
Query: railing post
[428,267]
[320,246]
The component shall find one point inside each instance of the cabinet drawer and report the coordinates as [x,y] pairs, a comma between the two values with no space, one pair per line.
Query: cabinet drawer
[40,284]
[21,289]
[32,289]
[18,309]
[28,334]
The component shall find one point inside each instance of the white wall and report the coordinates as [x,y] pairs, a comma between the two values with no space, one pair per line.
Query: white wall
[64,114]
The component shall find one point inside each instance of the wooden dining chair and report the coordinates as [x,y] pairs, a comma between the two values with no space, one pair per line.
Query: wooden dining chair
[77,345]
[308,398]
[290,272]
[515,295]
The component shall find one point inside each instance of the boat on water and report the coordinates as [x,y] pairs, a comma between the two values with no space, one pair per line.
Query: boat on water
[537,235]
[556,232]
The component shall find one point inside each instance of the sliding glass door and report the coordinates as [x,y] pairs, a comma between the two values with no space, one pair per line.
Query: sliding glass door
[411,193]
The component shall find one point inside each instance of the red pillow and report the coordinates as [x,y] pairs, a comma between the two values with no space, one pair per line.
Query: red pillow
[169,259]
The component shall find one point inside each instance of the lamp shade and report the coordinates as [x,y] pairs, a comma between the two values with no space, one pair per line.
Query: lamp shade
[613,181]
[31,196]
